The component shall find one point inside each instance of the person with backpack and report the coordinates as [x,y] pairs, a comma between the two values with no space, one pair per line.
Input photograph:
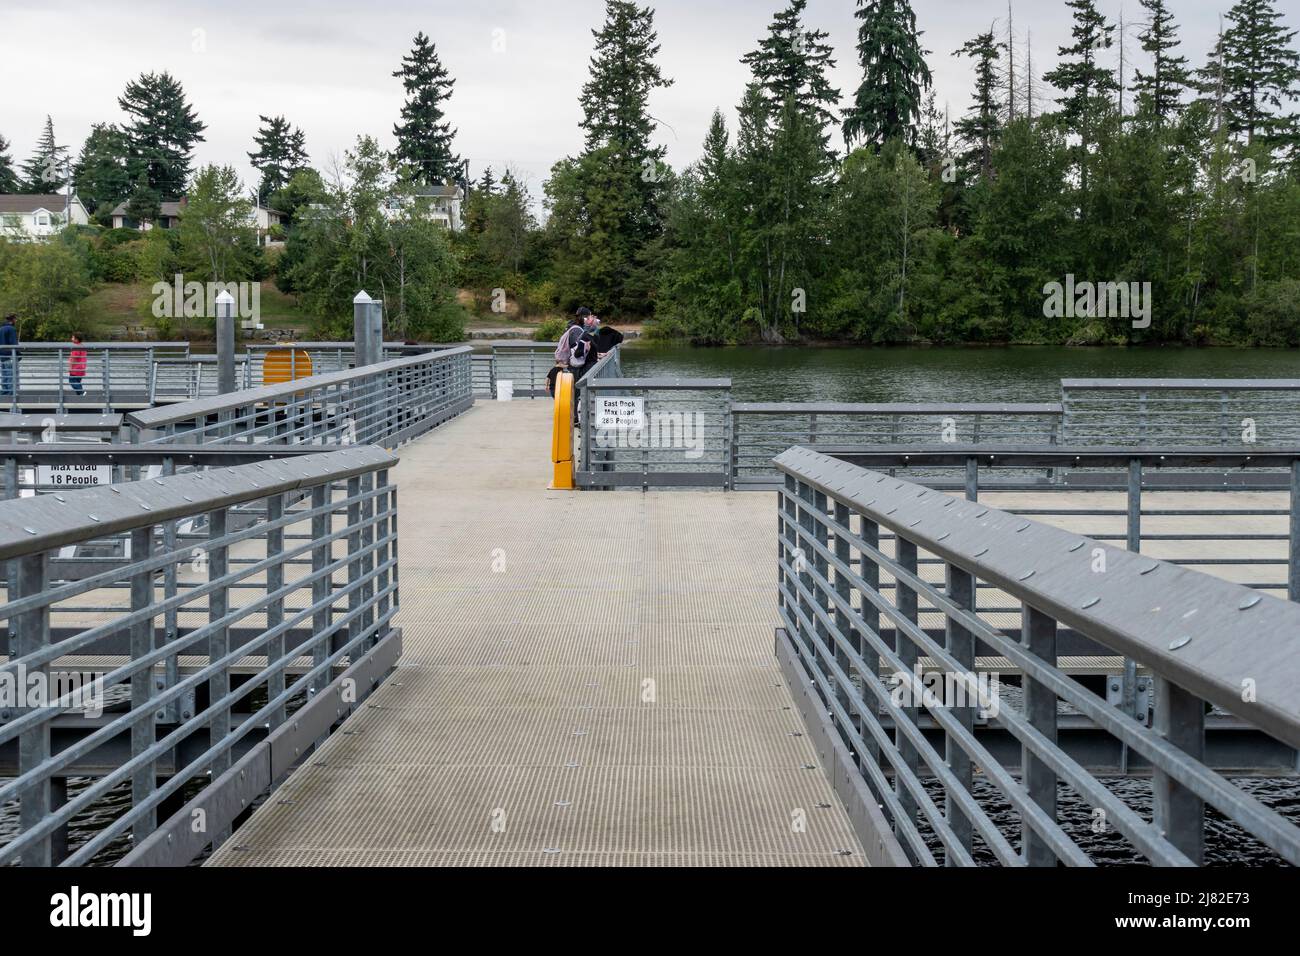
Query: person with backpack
[573,348]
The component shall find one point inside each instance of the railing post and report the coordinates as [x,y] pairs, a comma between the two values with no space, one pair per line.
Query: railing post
[1038,636]
[321,585]
[869,532]
[171,623]
[1179,813]
[275,648]
[28,576]
[972,479]
[143,734]
[225,319]
[355,600]
[906,602]
[959,642]
[108,382]
[218,645]
[1133,541]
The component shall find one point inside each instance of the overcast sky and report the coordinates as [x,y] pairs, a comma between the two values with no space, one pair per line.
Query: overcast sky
[519,66]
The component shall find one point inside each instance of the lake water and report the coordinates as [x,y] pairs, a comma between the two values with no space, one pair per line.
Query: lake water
[1025,374]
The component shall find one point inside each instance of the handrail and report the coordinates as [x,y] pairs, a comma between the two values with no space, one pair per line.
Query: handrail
[1182,384]
[153,418]
[233,746]
[898,408]
[1204,638]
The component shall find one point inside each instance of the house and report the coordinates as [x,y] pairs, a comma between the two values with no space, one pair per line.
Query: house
[440,203]
[261,219]
[169,216]
[28,216]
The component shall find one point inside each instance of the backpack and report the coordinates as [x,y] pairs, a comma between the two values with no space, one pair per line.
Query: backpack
[564,348]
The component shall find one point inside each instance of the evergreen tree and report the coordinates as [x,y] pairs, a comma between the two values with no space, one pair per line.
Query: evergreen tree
[1261,69]
[100,172]
[145,205]
[47,170]
[888,103]
[161,133]
[424,137]
[982,126]
[1160,91]
[280,153]
[791,65]
[1087,86]
[8,177]
[606,205]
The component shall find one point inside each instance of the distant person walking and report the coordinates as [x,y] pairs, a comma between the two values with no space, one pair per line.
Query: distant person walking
[77,365]
[8,356]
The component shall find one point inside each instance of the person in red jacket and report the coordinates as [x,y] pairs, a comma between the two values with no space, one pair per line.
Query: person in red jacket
[77,365]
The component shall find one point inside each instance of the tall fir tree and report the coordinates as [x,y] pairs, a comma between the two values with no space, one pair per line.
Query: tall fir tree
[8,176]
[1087,87]
[100,172]
[47,170]
[887,104]
[981,127]
[791,66]
[281,152]
[424,136]
[623,74]
[1160,91]
[161,132]
[1261,70]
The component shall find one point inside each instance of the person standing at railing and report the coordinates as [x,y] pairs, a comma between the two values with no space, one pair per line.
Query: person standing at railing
[605,337]
[77,361]
[8,356]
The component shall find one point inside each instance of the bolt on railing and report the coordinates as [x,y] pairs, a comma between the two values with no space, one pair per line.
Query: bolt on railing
[848,608]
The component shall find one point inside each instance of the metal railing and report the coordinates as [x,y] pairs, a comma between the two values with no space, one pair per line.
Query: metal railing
[1134,411]
[525,364]
[760,431]
[227,659]
[386,404]
[116,373]
[855,643]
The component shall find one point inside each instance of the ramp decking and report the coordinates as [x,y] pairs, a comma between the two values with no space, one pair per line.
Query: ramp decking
[587,679]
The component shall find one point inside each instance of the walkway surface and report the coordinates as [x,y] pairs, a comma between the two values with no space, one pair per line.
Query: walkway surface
[587,679]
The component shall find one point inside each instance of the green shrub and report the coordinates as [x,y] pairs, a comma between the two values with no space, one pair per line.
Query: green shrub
[550,330]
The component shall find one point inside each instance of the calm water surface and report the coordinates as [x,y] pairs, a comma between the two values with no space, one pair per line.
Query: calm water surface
[1021,373]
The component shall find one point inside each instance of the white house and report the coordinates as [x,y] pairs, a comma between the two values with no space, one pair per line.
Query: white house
[442,204]
[28,216]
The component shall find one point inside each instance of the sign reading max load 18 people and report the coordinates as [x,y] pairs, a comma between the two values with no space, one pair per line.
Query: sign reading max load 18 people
[625,413]
[74,476]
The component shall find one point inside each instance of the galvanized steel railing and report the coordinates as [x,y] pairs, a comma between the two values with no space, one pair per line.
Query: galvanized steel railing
[216,665]
[386,404]
[1139,411]
[906,758]
[116,373]
[525,365]
[760,431]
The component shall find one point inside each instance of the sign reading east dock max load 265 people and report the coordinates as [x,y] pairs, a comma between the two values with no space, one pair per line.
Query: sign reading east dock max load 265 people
[625,413]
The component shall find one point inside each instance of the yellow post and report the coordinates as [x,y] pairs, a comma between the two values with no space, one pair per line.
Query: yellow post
[562,433]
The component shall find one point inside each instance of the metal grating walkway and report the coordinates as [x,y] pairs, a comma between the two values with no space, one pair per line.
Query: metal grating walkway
[587,679]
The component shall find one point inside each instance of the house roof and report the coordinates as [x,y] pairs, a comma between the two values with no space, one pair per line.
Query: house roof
[30,202]
[170,209]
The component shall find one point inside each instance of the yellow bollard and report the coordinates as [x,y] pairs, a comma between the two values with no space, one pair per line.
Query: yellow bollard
[562,433]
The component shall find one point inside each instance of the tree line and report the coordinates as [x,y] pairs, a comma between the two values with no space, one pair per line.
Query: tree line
[887,221]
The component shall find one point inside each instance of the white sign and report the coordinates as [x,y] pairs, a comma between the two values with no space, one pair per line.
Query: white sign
[621,413]
[74,476]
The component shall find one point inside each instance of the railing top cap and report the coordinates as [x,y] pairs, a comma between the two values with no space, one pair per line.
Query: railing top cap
[1140,607]
[101,346]
[72,421]
[46,522]
[184,411]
